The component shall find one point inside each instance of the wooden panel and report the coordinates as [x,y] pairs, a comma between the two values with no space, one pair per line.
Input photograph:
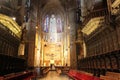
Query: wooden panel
[0,46]
[115,40]
[95,63]
[101,48]
[118,57]
[118,36]
[110,43]
[3,47]
[103,63]
[113,62]
[106,45]
[88,63]
[113,75]
[99,63]
[108,63]
[6,49]
[107,78]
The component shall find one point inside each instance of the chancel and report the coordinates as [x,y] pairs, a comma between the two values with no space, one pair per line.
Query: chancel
[59,39]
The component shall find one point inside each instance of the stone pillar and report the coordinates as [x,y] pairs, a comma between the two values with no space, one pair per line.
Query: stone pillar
[72,37]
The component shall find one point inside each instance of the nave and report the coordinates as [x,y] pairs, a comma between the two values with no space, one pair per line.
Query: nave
[39,35]
[53,75]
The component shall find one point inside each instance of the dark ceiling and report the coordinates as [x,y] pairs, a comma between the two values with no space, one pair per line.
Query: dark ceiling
[20,8]
[13,8]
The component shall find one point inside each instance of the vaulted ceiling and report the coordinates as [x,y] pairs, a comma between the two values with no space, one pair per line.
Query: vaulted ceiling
[64,3]
[17,8]
[13,8]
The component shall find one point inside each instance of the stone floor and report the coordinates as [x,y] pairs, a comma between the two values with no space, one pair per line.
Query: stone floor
[53,75]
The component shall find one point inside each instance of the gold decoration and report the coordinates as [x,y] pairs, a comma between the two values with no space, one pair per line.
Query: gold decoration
[92,25]
[10,24]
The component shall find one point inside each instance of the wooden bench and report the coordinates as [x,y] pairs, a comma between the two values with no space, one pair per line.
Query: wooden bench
[111,76]
[65,70]
[76,75]
[25,75]
[106,78]
[45,71]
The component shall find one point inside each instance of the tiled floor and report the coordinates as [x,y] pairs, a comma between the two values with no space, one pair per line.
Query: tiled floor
[53,75]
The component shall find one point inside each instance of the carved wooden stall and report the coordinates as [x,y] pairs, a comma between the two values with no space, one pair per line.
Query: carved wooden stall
[103,44]
[10,35]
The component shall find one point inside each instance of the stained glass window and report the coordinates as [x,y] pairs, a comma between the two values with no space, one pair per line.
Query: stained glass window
[59,25]
[53,26]
[46,24]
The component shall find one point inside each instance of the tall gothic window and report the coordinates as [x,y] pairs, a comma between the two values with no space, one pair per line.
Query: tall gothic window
[59,26]
[46,24]
[53,26]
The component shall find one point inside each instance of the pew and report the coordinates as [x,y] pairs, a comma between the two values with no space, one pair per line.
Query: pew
[11,64]
[108,78]
[65,70]
[111,76]
[77,75]
[44,71]
[62,70]
[25,75]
